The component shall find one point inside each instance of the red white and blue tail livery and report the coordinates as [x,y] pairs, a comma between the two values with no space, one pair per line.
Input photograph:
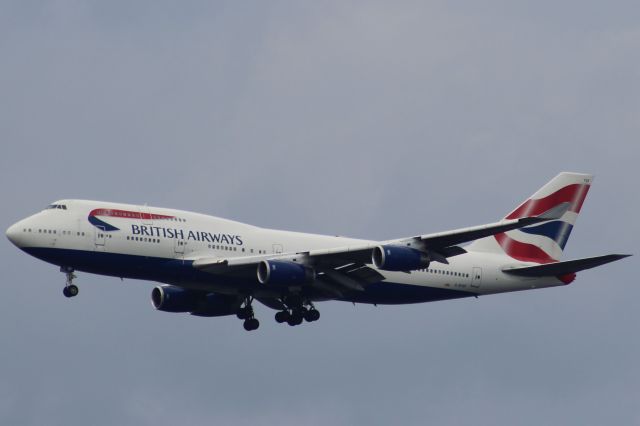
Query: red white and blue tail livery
[210,266]
[545,242]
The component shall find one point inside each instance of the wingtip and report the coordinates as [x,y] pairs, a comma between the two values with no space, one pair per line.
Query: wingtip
[616,257]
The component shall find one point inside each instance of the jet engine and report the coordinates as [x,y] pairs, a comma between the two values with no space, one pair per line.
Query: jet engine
[398,258]
[283,273]
[170,298]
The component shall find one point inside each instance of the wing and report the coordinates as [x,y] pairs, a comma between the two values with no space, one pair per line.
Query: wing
[346,268]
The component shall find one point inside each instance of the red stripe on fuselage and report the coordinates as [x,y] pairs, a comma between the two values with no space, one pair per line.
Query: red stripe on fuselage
[128,214]
[574,194]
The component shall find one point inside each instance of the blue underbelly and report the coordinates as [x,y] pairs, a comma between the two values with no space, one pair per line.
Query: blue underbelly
[175,271]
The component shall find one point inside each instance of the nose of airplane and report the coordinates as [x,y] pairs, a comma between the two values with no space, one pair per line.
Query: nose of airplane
[13,234]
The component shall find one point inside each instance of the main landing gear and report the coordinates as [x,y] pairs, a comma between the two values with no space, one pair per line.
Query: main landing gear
[295,312]
[246,313]
[295,315]
[70,289]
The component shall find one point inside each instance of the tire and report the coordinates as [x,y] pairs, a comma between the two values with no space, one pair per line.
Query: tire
[73,290]
[282,316]
[311,315]
[251,324]
[295,319]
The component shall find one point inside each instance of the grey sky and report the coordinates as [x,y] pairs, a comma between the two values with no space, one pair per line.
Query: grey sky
[366,119]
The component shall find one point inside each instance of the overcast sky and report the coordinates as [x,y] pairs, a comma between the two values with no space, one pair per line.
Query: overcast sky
[368,119]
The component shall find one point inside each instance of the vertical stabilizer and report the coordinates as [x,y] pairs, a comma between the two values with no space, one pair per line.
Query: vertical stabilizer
[543,243]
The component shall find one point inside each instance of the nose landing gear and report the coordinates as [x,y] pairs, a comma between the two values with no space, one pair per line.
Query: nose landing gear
[246,313]
[70,289]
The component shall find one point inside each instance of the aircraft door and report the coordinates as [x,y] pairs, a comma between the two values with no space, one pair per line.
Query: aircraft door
[145,216]
[476,277]
[99,238]
[179,245]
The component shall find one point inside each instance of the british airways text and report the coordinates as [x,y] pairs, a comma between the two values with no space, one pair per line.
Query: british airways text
[158,231]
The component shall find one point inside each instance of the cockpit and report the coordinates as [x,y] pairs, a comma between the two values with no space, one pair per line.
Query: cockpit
[56,206]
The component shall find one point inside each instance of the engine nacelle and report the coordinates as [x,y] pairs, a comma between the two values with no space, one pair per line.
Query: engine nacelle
[283,273]
[169,298]
[398,258]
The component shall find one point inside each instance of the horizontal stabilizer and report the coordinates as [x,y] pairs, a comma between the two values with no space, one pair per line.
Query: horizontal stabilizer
[566,267]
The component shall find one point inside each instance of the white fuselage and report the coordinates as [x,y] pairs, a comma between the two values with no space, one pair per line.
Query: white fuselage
[133,241]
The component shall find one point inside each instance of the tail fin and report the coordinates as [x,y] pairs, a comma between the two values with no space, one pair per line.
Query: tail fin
[541,243]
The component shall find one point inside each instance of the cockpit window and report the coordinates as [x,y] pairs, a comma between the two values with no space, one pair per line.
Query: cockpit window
[57,206]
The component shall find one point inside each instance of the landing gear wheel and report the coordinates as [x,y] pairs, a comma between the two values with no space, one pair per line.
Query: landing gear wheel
[245,313]
[251,324]
[70,290]
[282,316]
[311,315]
[295,318]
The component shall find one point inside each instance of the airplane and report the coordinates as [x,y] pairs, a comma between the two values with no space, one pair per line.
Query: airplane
[209,266]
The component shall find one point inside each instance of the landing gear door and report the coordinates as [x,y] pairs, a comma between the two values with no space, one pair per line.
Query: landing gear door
[476,277]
